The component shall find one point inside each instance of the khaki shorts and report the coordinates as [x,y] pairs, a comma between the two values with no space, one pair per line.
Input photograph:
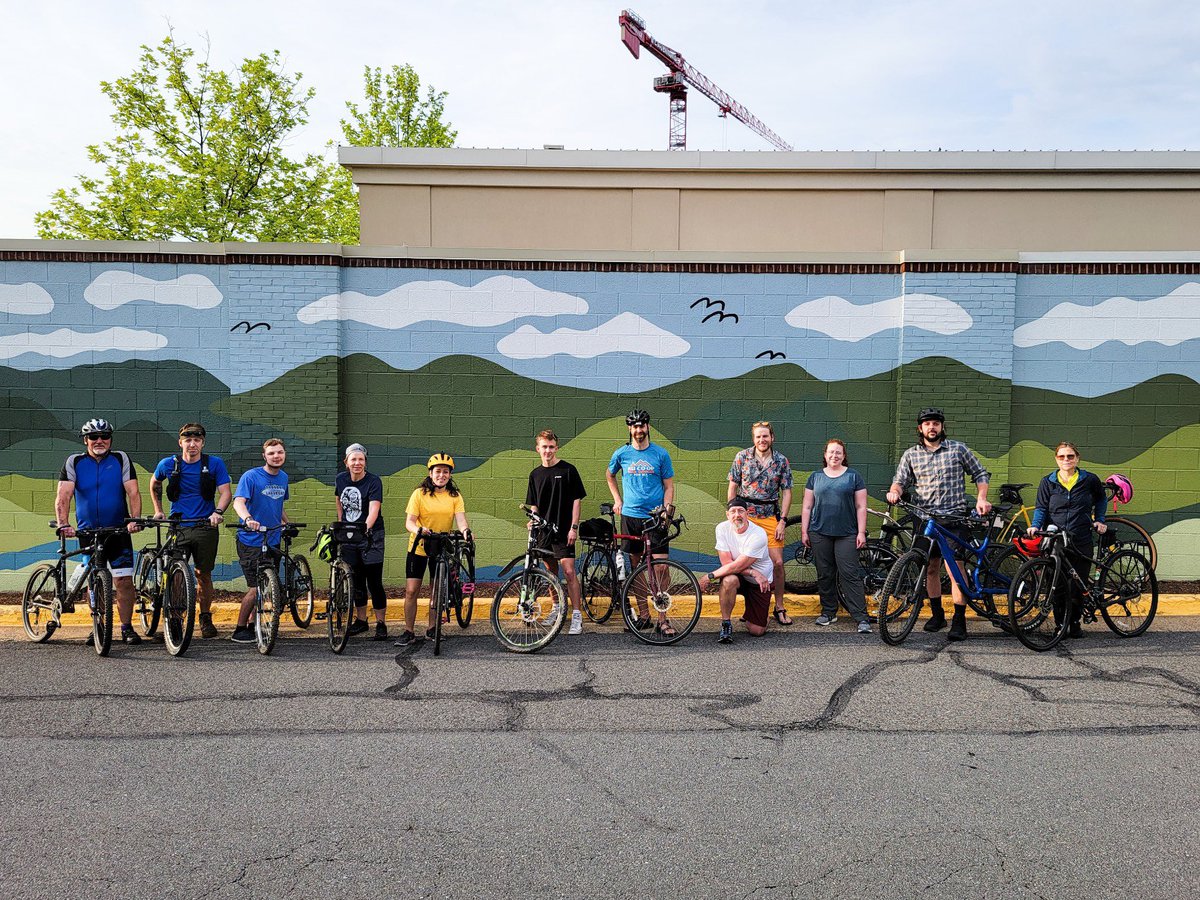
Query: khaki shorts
[768,525]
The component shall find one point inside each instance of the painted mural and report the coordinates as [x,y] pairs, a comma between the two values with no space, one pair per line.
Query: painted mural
[411,360]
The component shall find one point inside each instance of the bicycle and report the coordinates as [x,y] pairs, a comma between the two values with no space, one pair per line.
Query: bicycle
[1122,588]
[661,584]
[294,586]
[452,555]
[165,576]
[876,558]
[339,608]
[49,593]
[987,569]
[530,607]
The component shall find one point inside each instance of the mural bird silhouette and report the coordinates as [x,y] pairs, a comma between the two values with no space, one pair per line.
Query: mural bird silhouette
[771,354]
[719,312]
[249,328]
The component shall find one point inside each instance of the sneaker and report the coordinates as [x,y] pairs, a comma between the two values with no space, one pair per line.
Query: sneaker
[551,619]
[380,632]
[407,639]
[243,634]
[576,622]
[129,636]
[823,619]
[864,627]
[358,626]
[726,635]
[207,628]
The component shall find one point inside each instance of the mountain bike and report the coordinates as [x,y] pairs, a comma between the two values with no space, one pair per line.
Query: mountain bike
[981,568]
[663,585]
[451,556]
[282,578]
[164,577]
[1047,588]
[530,605]
[49,593]
[339,608]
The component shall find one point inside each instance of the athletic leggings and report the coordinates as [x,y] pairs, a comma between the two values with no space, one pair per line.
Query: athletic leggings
[368,576]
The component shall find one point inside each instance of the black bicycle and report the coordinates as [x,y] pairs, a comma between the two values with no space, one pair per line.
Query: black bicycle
[452,584]
[1123,589]
[339,608]
[49,593]
[875,559]
[530,607]
[164,577]
[283,577]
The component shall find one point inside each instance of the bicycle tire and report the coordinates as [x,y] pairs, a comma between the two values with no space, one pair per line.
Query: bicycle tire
[528,611]
[1124,573]
[1140,539]
[1003,560]
[37,603]
[464,603]
[101,587]
[337,608]
[598,583]
[1037,611]
[179,607]
[301,599]
[670,589]
[268,606]
[876,559]
[439,604]
[901,597]
[147,591]
[799,571]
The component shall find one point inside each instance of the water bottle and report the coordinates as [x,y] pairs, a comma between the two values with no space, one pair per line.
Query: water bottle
[620,565]
[76,578]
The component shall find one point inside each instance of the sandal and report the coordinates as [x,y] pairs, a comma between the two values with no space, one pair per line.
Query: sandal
[782,617]
[665,629]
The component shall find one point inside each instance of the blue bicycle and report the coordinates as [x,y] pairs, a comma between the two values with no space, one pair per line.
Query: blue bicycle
[983,570]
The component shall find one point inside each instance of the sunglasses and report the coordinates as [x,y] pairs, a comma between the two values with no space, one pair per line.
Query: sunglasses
[761,425]
[198,434]
[99,437]
[1066,456]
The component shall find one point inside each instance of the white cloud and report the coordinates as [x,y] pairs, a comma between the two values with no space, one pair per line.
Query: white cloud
[64,342]
[1168,320]
[627,333]
[845,321]
[26,299]
[494,301]
[116,288]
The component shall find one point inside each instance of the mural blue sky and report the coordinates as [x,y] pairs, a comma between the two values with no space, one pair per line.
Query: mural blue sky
[896,75]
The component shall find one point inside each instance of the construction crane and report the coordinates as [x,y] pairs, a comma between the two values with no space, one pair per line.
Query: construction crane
[675,85]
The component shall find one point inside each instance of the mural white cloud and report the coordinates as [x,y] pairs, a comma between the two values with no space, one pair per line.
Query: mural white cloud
[116,288]
[64,342]
[626,333]
[1168,320]
[26,299]
[842,320]
[494,301]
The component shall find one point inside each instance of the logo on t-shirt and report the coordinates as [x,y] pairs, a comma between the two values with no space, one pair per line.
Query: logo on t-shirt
[640,467]
[274,491]
[352,503]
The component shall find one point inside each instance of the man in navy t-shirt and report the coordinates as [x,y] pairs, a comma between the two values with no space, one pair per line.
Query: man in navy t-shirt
[259,503]
[198,488]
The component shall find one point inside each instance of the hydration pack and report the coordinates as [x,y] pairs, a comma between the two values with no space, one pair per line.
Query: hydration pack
[208,481]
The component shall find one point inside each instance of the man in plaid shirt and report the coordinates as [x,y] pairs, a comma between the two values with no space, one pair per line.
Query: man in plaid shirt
[935,466]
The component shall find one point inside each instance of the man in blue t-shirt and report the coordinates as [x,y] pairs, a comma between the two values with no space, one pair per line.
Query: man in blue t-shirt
[198,488]
[104,486]
[258,500]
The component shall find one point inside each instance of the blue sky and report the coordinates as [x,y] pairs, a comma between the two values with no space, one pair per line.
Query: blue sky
[862,75]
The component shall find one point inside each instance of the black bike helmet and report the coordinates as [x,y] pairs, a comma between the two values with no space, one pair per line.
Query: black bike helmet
[96,426]
[930,412]
[638,417]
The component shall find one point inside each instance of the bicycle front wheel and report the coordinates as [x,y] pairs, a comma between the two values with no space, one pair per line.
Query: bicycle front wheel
[901,597]
[337,610]
[1130,535]
[179,605]
[1037,607]
[1128,593]
[37,603]
[528,611]
[101,587]
[147,598]
[598,583]
[300,591]
[464,603]
[666,594]
[269,606]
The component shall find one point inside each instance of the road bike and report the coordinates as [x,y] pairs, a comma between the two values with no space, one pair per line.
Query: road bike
[283,577]
[875,559]
[452,583]
[1123,589]
[164,577]
[530,605]
[339,608]
[659,585]
[981,568]
[49,593]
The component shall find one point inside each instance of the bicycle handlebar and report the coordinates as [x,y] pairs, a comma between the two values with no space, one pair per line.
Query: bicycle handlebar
[151,521]
[539,521]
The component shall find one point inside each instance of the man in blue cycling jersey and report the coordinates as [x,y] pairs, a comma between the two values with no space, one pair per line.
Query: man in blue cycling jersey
[259,503]
[104,486]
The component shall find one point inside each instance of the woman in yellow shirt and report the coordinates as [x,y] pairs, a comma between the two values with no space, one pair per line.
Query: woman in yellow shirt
[437,506]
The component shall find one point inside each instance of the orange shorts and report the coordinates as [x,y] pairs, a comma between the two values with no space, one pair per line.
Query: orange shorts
[768,525]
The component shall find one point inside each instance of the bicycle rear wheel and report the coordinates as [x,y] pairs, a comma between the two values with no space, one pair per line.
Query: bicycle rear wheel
[671,596]
[799,572]
[37,603]
[1001,564]
[901,597]
[598,582]
[269,607]
[179,605]
[1128,593]
[1131,535]
[300,591]
[147,591]
[337,609]
[100,585]
[1037,606]
[528,611]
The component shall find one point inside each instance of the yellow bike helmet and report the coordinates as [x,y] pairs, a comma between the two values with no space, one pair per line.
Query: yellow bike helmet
[440,459]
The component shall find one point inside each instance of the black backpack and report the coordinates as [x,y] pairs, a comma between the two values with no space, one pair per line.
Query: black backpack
[208,481]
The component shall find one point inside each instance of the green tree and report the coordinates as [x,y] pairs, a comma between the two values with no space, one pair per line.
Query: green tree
[394,115]
[199,155]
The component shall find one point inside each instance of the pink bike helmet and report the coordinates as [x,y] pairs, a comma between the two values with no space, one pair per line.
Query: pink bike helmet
[1122,488]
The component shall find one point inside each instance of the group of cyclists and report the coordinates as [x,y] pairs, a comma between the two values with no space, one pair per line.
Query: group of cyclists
[102,483]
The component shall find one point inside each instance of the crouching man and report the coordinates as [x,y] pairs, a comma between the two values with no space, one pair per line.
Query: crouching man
[745,569]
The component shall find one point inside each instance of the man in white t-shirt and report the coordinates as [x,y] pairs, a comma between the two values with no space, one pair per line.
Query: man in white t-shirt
[745,569]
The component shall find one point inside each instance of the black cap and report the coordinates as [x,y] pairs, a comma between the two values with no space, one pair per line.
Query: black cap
[738,501]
